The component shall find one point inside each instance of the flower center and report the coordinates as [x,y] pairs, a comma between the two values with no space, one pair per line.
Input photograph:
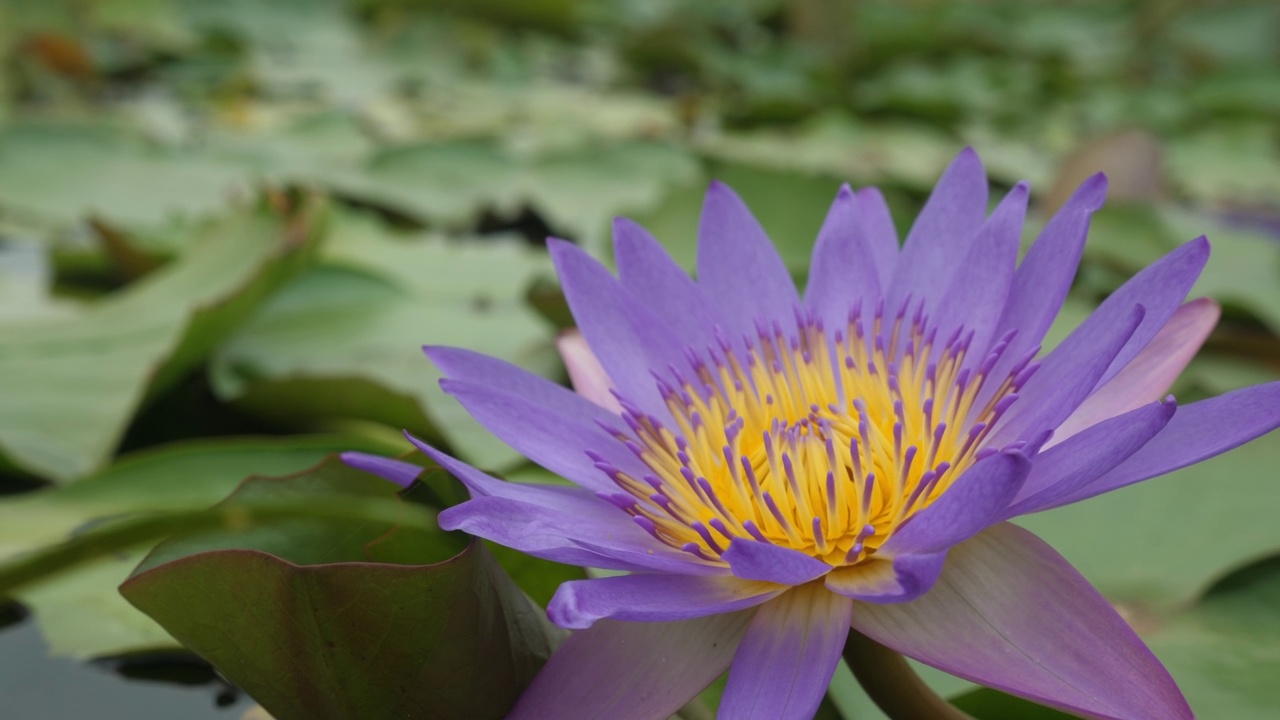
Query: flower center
[824,443]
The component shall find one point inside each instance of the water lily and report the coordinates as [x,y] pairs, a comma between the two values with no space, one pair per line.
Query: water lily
[771,469]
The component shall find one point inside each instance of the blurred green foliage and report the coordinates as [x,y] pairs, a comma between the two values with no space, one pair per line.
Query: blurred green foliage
[233,218]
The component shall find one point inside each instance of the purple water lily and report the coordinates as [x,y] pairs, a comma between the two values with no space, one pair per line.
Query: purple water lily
[771,469]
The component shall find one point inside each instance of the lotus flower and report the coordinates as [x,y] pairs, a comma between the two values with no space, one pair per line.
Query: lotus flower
[770,469]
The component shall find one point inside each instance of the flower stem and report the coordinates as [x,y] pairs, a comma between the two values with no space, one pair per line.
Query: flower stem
[892,684]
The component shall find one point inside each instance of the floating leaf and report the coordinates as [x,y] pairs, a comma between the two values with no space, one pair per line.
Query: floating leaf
[321,619]
[60,174]
[578,189]
[71,384]
[1111,538]
[80,612]
[345,339]
[1224,651]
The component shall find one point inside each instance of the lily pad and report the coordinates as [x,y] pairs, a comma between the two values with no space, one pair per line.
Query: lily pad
[1225,651]
[60,174]
[578,189]
[1147,545]
[72,383]
[344,340]
[79,611]
[321,619]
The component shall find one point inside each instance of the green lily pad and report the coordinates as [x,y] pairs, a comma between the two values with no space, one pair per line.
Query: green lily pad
[1228,165]
[577,189]
[318,618]
[59,174]
[344,340]
[72,383]
[1243,270]
[80,612]
[1225,651]
[1148,545]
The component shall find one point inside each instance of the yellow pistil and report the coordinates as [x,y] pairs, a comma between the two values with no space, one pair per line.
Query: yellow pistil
[821,442]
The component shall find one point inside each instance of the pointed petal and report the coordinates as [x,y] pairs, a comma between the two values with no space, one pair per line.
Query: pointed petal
[548,520]
[1062,470]
[974,501]
[558,442]
[473,367]
[754,560]
[648,272]
[397,471]
[788,657]
[1151,373]
[654,597]
[843,269]
[632,670]
[1197,432]
[1043,278]
[940,239]
[1066,377]
[585,371]
[552,533]
[977,294]
[901,579]
[481,484]
[627,338]
[881,236]
[1160,288]
[1012,614]
[739,269]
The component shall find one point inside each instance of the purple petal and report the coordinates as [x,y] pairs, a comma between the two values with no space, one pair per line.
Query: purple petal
[1012,614]
[902,579]
[1041,282]
[1197,432]
[878,230]
[654,597]
[754,560]
[738,267]
[556,441]
[483,485]
[397,471]
[648,272]
[1065,378]
[977,294]
[585,371]
[1060,471]
[1150,374]
[473,367]
[940,239]
[551,534]
[788,657]
[632,670]
[548,521]
[843,268]
[1160,288]
[629,340]
[973,502]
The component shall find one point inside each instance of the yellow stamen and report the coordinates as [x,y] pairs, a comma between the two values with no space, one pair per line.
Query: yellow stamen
[821,442]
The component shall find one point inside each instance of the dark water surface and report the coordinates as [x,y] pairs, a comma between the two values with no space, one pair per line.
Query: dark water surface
[34,686]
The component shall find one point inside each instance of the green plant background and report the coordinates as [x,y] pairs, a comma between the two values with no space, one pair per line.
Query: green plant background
[227,227]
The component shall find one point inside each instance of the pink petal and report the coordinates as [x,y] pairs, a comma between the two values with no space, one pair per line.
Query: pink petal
[585,371]
[1150,374]
[1012,614]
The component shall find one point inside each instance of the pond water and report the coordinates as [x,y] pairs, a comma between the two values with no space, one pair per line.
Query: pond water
[34,686]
